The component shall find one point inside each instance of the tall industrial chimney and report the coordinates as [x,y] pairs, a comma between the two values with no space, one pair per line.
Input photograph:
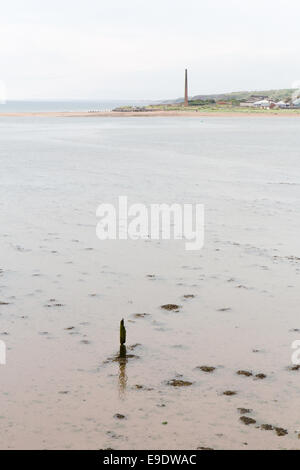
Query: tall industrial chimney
[186,94]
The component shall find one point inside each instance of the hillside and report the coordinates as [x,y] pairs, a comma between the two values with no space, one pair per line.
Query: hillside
[276,95]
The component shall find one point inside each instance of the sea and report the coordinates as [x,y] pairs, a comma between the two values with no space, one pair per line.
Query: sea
[17,106]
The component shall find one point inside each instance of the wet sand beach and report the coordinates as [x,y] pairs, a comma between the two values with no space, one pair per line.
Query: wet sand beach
[212,368]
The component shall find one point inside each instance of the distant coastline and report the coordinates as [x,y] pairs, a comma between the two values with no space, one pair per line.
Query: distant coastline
[280,102]
[161,113]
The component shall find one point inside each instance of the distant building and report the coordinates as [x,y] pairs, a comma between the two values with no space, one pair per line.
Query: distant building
[296,103]
[246,104]
[264,104]
[252,100]
[282,105]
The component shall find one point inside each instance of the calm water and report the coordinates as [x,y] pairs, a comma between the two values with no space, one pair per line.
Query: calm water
[67,291]
[66,106]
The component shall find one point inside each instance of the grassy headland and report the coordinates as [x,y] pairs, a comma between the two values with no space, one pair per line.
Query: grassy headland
[216,108]
[235,102]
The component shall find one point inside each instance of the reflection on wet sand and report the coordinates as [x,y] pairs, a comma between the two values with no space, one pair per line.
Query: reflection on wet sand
[122,371]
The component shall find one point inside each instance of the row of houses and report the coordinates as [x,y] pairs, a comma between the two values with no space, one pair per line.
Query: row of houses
[265,102]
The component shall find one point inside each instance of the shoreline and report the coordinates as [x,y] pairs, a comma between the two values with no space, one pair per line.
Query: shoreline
[149,114]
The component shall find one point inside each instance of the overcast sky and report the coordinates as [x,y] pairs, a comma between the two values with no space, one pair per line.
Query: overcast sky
[138,49]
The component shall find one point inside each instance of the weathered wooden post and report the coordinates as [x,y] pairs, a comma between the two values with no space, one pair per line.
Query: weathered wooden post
[122,333]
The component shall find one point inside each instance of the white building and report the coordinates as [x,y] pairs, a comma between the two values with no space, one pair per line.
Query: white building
[282,104]
[265,104]
[296,103]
